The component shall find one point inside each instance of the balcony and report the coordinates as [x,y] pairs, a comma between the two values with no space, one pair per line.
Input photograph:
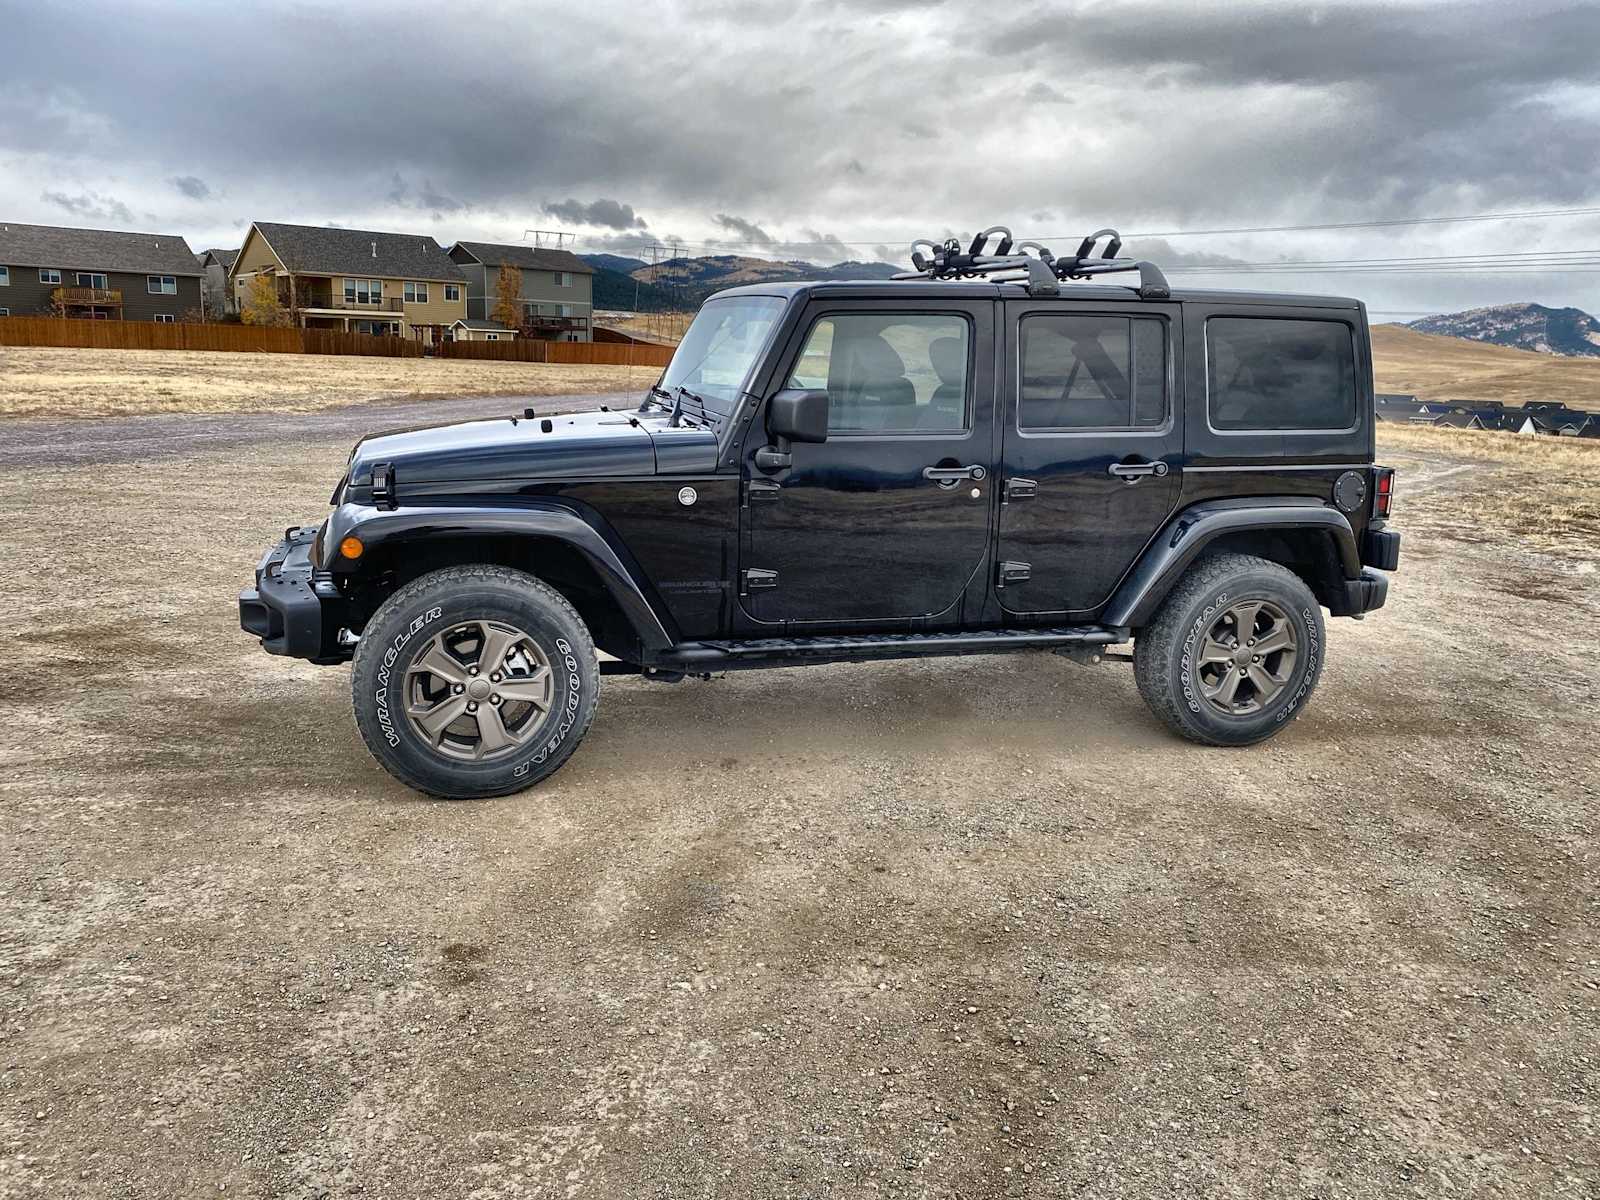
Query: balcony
[391,304]
[84,297]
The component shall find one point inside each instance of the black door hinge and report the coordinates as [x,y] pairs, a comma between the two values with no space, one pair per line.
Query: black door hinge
[754,578]
[1013,572]
[761,489]
[1018,488]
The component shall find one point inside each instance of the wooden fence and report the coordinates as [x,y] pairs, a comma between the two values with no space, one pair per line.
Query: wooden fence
[531,350]
[336,341]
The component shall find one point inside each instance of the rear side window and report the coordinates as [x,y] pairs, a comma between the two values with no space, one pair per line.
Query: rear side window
[1093,372]
[889,372]
[1269,374]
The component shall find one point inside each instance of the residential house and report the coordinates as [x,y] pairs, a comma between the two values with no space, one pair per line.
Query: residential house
[355,280]
[474,329]
[217,296]
[556,297]
[96,273]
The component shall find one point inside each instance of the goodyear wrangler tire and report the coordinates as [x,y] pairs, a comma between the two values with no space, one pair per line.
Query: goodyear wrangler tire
[1234,652]
[474,681]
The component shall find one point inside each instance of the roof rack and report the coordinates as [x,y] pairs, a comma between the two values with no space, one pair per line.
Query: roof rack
[1030,263]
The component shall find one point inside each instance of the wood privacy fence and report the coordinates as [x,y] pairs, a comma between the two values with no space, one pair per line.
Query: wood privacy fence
[636,354]
[148,335]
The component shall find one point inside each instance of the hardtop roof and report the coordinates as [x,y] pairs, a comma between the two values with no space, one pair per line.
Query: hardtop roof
[981,289]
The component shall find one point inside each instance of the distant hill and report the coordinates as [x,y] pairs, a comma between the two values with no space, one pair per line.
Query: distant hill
[686,282]
[1433,367]
[613,262]
[616,291]
[1569,332]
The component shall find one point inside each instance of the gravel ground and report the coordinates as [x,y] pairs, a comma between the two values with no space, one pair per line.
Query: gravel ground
[955,928]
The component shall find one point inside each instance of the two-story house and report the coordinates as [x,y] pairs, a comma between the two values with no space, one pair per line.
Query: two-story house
[556,299]
[355,280]
[214,266]
[96,273]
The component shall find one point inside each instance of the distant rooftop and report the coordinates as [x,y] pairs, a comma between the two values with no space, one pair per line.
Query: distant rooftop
[64,248]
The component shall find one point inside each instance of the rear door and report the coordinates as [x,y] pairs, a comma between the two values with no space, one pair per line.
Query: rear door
[1093,440]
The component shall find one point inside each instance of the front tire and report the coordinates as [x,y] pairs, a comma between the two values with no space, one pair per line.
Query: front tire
[1234,652]
[474,681]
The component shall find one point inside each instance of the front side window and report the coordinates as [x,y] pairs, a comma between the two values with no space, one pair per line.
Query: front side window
[161,285]
[46,275]
[888,372]
[721,347]
[92,279]
[452,292]
[1271,374]
[416,293]
[1092,373]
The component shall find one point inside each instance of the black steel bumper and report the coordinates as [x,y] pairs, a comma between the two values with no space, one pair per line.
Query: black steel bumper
[291,610]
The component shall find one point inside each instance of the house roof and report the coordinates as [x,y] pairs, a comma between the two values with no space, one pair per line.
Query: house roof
[359,252]
[224,257]
[537,258]
[95,250]
[479,323]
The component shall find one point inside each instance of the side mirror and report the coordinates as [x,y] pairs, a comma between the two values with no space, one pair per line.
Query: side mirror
[798,416]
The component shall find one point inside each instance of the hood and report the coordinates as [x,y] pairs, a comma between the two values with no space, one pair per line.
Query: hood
[577,446]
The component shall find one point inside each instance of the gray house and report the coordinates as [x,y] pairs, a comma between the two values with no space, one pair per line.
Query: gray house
[215,265]
[557,294]
[96,273]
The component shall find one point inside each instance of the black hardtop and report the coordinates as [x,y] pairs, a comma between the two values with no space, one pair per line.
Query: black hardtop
[978,289]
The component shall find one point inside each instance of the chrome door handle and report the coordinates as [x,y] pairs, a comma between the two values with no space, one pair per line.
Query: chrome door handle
[954,475]
[1133,472]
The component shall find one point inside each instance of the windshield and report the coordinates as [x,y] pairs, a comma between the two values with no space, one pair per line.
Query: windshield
[717,353]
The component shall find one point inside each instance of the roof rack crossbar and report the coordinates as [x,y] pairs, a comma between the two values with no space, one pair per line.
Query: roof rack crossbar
[1031,262]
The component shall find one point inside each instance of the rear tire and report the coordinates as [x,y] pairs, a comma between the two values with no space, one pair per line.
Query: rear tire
[1234,652]
[474,681]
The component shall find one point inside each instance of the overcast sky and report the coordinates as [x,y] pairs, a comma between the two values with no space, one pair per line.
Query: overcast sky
[826,129]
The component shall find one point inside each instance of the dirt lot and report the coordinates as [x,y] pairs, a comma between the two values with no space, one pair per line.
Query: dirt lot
[953,928]
[99,383]
[1447,368]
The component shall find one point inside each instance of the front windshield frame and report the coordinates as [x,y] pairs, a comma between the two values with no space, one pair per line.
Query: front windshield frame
[686,370]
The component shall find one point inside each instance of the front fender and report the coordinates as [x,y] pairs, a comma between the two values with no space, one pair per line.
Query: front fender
[1187,535]
[544,519]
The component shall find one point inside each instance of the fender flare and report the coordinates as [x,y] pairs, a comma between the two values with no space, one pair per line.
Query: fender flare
[1186,536]
[377,527]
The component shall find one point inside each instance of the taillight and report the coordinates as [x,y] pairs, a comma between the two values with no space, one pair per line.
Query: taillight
[1383,496]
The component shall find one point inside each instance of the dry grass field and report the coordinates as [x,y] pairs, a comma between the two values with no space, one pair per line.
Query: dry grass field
[98,383]
[1446,368]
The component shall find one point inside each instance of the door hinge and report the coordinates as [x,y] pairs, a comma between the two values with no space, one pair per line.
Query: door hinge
[1018,488]
[1013,572]
[754,578]
[761,489]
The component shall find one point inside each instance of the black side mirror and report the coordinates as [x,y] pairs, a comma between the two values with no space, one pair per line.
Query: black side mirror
[794,415]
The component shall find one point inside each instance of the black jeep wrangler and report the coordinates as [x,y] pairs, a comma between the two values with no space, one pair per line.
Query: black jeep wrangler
[975,457]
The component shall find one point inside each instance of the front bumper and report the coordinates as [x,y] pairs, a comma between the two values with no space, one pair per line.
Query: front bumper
[291,609]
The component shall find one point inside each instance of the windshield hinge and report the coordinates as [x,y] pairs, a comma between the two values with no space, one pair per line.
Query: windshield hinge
[383,486]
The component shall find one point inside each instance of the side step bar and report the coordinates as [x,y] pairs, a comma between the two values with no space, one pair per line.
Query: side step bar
[729,655]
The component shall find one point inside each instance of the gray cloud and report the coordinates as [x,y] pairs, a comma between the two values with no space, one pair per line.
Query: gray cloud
[752,233]
[90,206]
[192,186]
[609,214]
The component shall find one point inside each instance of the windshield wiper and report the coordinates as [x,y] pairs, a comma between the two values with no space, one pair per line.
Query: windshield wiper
[677,407]
[659,395]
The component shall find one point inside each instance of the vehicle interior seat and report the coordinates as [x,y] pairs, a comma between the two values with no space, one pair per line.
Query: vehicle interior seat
[867,383]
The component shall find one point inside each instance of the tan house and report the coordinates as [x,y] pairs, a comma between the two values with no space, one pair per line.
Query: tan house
[355,280]
[470,329]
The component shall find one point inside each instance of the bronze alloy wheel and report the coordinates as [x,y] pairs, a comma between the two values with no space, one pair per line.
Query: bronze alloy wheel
[479,690]
[1247,657]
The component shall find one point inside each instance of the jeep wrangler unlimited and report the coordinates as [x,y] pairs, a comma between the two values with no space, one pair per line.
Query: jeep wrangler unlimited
[973,457]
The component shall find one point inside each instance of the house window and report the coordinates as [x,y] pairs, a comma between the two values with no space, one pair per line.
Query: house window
[5,276]
[161,285]
[165,319]
[46,275]
[416,293]
[491,337]
[362,291]
[91,279]
[563,278]
[452,292]
[5,312]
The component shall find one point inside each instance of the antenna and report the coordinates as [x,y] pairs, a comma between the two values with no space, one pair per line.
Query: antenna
[1030,262]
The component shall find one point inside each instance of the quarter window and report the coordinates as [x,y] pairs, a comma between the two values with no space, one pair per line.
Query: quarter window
[416,293]
[46,275]
[1270,374]
[889,372]
[161,285]
[1093,372]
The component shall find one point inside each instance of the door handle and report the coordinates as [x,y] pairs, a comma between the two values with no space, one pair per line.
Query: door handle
[1134,472]
[950,476]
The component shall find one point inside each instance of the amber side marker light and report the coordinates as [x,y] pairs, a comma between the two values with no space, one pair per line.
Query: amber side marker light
[351,547]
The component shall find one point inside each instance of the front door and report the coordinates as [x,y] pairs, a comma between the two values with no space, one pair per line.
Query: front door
[888,520]
[1093,441]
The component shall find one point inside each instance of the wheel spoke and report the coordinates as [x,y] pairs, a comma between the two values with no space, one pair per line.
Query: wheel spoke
[533,689]
[432,719]
[1266,686]
[1244,618]
[1213,651]
[437,661]
[492,732]
[1281,638]
[1225,688]
[497,643]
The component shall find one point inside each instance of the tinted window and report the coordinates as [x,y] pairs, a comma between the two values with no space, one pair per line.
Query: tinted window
[1081,372]
[888,372]
[1272,374]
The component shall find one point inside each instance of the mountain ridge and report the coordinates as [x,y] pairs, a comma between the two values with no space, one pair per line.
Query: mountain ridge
[1564,332]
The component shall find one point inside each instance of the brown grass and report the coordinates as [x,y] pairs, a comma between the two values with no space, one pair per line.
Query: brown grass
[1446,368]
[92,383]
[653,327]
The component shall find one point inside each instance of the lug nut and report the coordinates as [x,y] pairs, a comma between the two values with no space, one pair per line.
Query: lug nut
[494,676]
[458,688]
[1255,658]
[1251,642]
[472,670]
[495,699]
[471,707]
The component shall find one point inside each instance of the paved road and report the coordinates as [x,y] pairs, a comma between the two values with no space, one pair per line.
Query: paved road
[84,442]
